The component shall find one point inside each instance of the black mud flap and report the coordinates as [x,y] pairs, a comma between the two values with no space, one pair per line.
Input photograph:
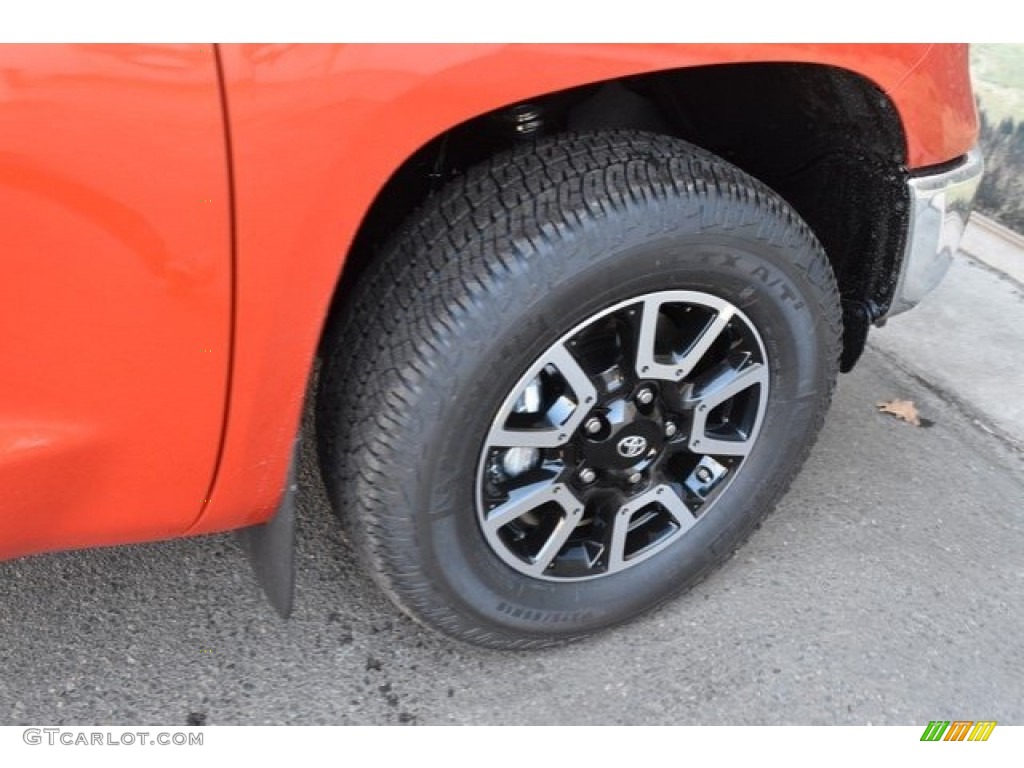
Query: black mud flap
[857,319]
[271,547]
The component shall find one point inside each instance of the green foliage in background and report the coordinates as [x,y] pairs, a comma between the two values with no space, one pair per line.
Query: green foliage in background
[998,72]
[1001,193]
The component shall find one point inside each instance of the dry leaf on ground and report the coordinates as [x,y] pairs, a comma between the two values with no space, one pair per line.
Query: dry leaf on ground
[905,410]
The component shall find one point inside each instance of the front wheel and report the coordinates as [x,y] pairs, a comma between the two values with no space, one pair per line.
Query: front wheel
[573,383]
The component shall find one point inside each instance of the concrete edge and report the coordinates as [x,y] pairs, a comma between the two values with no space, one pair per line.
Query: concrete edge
[997,229]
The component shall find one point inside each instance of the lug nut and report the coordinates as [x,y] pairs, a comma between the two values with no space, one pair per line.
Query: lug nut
[587,475]
[670,429]
[703,474]
[593,425]
[635,478]
[645,396]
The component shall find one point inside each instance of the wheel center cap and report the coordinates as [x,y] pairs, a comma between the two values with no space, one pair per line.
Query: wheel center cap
[632,446]
[633,443]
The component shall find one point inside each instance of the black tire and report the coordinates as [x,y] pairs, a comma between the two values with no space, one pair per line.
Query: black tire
[488,274]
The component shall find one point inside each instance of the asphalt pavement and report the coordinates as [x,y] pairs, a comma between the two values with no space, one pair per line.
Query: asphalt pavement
[887,587]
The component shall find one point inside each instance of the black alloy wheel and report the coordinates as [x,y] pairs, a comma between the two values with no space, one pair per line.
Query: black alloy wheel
[621,435]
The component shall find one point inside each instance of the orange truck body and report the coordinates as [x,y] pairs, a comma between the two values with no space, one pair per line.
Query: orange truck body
[175,222]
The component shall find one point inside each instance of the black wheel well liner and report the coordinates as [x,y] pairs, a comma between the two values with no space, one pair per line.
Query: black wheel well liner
[827,139]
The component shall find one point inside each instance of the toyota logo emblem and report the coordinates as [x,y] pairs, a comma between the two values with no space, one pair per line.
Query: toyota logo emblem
[632,446]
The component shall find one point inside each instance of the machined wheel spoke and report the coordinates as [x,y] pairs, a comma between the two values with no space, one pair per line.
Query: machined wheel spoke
[646,364]
[703,343]
[731,383]
[552,436]
[665,497]
[617,545]
[560,357]
[529,497]
[722,388]
[555,541]
[675,506]
[528,438]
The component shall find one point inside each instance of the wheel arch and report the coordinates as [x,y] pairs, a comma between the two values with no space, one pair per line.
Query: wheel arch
[827,139]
